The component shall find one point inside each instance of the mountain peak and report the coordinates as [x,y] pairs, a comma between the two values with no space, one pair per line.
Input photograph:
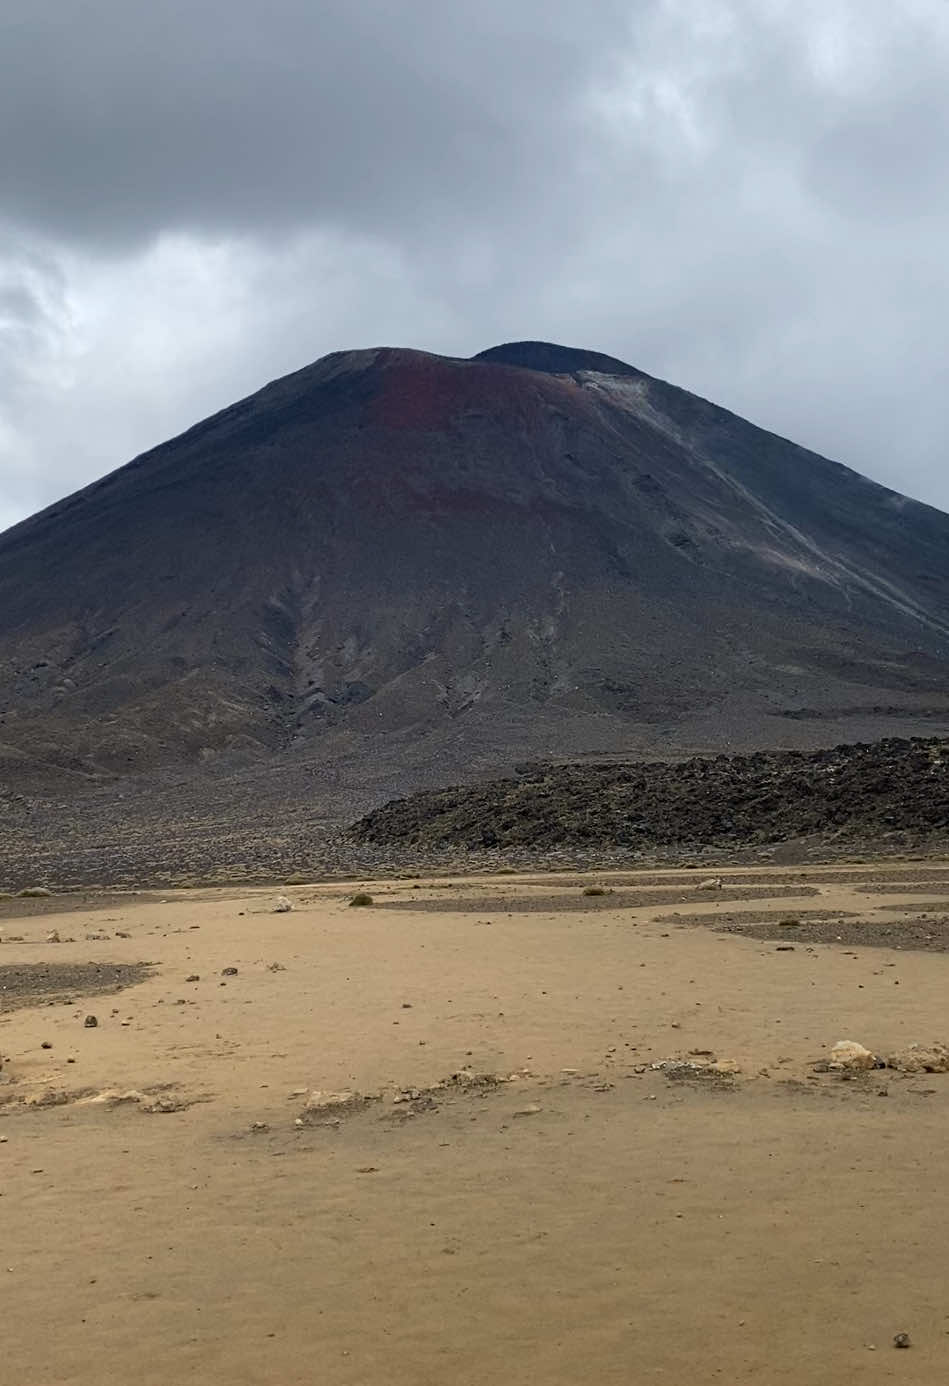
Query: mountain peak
[395,568]
[554,359]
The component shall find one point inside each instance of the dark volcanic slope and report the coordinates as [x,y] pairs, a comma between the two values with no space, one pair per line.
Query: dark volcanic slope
[393,567]
[865,794]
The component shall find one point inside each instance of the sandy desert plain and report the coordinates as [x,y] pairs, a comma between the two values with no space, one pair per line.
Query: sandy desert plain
[488,1130]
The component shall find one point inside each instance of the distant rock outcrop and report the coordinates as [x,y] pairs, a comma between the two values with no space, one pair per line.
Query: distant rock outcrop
[866,794]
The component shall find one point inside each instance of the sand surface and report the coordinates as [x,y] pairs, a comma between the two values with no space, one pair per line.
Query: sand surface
[589,1218]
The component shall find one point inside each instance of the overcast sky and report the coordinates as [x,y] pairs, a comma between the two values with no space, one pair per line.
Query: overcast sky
[749,198]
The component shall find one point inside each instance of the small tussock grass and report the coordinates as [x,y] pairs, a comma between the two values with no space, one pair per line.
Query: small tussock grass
[34,893]
[360,900]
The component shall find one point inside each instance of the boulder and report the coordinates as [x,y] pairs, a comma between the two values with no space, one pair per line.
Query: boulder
[324,1106]
[847,1056]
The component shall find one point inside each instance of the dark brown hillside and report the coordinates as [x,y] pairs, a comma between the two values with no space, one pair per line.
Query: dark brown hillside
[391,569]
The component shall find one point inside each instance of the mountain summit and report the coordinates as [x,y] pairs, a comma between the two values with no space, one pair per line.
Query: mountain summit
[397,568]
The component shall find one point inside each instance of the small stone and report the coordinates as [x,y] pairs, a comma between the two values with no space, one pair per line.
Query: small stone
[53,936]
[531,1110]
[228,971]
[46,1045]
[785,948]
[901,1340]
[193,978]
[282,905]
[90,1022]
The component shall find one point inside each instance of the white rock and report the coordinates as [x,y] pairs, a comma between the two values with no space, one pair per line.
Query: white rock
[851,1057]
[282,905]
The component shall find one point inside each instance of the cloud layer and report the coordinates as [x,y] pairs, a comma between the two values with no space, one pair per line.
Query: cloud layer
[743,196]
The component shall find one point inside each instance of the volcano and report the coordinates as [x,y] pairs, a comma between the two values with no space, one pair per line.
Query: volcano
[392,569]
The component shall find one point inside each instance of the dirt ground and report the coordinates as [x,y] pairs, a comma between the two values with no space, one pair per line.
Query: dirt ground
[175,1204]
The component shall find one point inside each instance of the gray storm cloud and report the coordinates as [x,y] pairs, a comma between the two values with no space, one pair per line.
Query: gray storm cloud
[744,196]
[237,115]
